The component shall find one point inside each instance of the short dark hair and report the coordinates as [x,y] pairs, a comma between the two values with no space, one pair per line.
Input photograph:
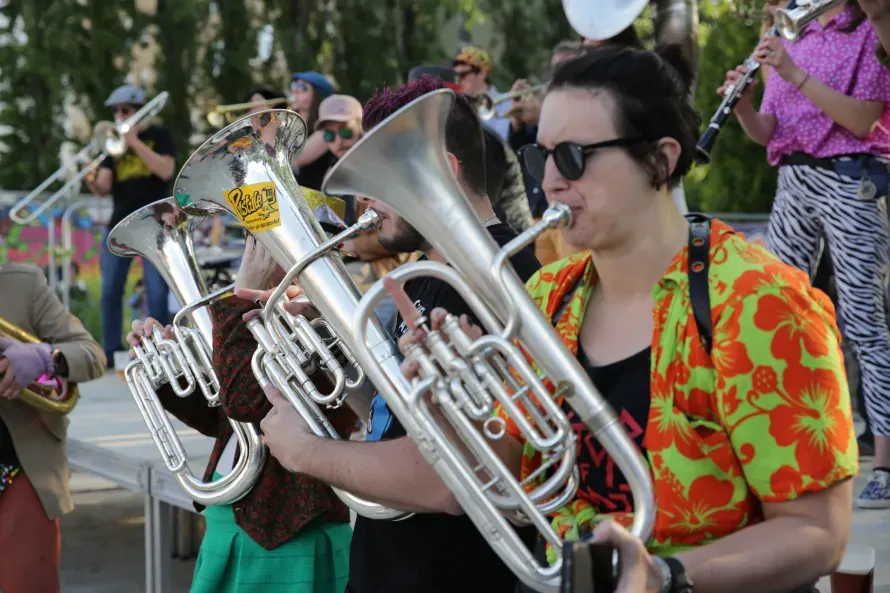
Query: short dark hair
[463,130]
[651,99]
[266,93]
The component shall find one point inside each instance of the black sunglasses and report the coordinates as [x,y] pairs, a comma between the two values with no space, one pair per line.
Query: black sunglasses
[345,133]
[570,157]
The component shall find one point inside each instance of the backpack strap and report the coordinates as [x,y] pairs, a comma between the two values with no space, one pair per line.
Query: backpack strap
[699,247]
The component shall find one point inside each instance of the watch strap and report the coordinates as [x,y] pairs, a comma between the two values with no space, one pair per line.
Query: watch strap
[680,582]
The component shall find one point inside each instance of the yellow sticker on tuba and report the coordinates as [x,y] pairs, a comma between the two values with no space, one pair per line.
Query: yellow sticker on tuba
[255,205]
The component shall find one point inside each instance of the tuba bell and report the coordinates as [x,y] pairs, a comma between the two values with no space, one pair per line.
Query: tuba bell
[161,233]
[45,396]
[245,169]
[403,163]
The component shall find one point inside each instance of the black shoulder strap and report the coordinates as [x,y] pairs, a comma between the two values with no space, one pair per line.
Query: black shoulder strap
[699,246]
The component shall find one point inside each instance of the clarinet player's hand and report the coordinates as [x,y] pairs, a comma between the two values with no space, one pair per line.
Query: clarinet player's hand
[732,78]
[771,52]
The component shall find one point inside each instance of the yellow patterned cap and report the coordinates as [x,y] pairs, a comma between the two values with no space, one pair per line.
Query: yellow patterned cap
[474,56]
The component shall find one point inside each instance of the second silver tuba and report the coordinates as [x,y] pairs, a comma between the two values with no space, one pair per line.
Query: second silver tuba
[245,169]
[162,233]
[403,163]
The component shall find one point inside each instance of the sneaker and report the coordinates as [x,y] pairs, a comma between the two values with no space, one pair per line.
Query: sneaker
[876,494]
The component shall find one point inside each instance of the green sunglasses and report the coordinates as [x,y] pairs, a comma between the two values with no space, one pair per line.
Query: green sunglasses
[345,133]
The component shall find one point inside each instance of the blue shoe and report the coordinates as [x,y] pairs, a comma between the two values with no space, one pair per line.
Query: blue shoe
[876,494]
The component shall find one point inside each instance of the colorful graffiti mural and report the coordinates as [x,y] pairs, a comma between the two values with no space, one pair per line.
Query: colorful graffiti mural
[31,244]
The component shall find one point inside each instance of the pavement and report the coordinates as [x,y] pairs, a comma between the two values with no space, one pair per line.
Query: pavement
[103,539]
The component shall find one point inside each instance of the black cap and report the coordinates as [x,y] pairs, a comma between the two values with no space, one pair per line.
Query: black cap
[442,73]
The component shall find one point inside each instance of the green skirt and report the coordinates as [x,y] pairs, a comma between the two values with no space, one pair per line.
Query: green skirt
[315,561]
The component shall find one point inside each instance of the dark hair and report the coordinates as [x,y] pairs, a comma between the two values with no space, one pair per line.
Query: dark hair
[627,38]
[858,16]
[650,98]
[266,94]
[463,131]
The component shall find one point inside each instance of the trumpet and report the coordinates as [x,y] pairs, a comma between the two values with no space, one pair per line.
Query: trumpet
[162,234]
[790,21]
[39,395]
[220,115]
[403,163]
[487,104]
[245,170]
[108,139]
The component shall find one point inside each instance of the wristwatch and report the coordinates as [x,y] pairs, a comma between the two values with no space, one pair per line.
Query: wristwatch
[60,364]
[673,575]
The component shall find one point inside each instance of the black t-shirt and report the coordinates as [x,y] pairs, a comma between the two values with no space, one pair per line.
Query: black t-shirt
[134,184]
[312,175]
[625,385]
[7,449]
[431,553]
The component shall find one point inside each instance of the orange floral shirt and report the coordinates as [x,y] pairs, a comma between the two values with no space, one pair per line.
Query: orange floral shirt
[765,418]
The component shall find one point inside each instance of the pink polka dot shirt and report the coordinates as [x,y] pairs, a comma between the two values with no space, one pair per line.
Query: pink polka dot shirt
[843,61]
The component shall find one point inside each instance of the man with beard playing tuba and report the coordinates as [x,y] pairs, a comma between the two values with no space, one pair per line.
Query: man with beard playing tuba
[421,552]
[33,464]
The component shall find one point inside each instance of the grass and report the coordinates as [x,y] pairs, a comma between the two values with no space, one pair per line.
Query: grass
[88,310]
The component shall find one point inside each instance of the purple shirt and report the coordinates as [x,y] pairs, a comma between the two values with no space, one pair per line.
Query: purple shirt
[845,62]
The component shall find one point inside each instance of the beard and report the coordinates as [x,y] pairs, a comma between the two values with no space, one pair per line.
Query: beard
[405,239]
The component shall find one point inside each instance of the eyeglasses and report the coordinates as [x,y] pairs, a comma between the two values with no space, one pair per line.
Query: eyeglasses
[331,135]
[570,157]
[461,74]
[299,85]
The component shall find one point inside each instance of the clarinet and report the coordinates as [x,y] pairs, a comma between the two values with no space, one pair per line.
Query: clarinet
[730,99]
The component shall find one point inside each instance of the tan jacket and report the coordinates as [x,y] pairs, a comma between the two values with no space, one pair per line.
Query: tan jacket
[39,437]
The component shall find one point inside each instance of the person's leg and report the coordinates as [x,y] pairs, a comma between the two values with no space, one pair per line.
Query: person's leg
[30,544]
[156,292]
[114,277]
[793,231]
[859,237]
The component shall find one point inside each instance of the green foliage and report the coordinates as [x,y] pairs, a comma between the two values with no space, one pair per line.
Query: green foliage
[178,24]
[32,89]
[528,30]
[738,179]
[207,50]
[227,61]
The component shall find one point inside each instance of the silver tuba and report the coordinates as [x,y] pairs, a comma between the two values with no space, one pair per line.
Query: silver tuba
[791,21]
[403,163]
[245,169]
[161,233]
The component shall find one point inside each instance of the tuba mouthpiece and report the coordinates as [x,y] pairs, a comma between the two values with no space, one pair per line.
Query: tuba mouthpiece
[558,216]
[369,221]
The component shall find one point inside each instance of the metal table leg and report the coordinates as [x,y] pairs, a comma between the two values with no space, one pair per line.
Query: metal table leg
[158,545]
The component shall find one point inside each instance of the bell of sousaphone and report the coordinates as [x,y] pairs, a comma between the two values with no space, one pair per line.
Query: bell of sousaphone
[602,19]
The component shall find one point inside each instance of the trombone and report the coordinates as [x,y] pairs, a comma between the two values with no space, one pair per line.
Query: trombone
[220,115]
[107,136]
[487,103]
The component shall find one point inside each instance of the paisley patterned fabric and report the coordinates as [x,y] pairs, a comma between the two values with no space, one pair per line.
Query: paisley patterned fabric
[281,503]
[765,418]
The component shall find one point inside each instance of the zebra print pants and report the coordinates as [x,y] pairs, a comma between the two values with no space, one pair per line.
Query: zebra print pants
[811,202]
